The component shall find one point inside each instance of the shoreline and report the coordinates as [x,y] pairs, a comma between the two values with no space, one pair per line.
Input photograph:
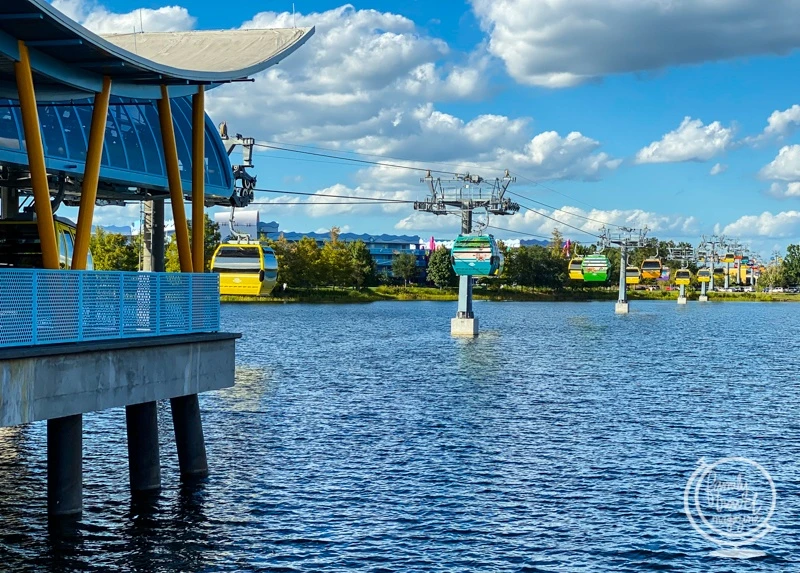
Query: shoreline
[383,293]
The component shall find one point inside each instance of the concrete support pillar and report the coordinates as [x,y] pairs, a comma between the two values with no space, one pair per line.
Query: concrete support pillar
[65,465]
[189,436]
[622,306]
[465,323]
[144,465]
[682,295]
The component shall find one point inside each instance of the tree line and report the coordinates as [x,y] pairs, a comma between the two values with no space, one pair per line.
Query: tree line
[305,264]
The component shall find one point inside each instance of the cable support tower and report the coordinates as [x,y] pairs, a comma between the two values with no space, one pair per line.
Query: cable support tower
[464,195]
[624,239]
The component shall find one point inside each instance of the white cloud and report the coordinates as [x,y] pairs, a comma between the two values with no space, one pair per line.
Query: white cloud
[550,156]
[99,19]
[561,43]
[786,166]
[783,224]
[371,82]
[569,218]
[780,125]
[718,168]
[333,201]
[691,141]
[785,190]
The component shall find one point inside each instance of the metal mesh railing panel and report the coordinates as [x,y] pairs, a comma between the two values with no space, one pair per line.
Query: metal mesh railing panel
[17,298]
[48,307]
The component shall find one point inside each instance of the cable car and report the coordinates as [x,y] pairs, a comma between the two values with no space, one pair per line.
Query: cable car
[651,268]
[20,246]
[595,268]
[704,275]
[728,258]
[574,268]
[476,255]
[632,275]
[683,277]
[245,268]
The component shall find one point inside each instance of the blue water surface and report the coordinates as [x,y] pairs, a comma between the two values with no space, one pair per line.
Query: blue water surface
[365,438]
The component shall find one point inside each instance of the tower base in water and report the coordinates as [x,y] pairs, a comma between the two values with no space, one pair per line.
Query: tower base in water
[464,327]
[681,300]
[622,308]
[702,298]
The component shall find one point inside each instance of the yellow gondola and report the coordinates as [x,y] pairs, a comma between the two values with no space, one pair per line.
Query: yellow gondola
[245,268]
[575,270]
[704,275]
[632,275]
[728,258]
[651,268]
[20,246]
[683,277]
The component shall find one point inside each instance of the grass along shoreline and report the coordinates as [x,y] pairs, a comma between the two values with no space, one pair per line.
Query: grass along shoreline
[374,294]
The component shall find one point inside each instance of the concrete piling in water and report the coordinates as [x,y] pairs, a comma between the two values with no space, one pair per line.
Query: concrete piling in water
[144,464]
[189,436]
[65,466]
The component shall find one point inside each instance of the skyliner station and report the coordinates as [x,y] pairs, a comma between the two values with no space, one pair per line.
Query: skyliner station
[88,120]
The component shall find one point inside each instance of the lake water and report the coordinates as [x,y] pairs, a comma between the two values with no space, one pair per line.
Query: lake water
[363,437]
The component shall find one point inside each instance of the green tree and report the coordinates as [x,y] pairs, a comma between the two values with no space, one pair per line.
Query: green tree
[211,239]
[113,252]
[791,265]
[404,266]
[556,242]
[335,261]
[440,271]
[362,266]
[306,262]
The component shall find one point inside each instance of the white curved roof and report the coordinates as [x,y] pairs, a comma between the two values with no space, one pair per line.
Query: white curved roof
[70,61]
[238,52]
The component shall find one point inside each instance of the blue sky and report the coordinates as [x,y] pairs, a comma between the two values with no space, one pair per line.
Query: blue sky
[487,86]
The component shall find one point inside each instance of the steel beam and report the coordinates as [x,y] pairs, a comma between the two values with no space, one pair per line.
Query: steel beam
[174,180]
[91,176]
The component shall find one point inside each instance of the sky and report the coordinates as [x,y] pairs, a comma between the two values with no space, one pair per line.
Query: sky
[679,115]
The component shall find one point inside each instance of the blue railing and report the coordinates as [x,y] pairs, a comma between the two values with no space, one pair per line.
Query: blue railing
[50,307]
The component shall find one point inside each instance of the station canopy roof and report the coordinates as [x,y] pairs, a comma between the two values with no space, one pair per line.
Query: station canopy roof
[69,61]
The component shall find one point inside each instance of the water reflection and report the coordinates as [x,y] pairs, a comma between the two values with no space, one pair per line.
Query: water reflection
[560,439]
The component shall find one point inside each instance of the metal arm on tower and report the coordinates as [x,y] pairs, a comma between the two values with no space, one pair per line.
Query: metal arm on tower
[243,182]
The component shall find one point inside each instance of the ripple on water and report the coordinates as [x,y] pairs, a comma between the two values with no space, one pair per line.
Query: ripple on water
[363,437]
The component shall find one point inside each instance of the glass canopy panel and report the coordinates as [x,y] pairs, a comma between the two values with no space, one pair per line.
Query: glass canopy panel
[133,150]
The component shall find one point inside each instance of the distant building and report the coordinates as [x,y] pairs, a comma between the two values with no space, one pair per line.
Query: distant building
[383,248]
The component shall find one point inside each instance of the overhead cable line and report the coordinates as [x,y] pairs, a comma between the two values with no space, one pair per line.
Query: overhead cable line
[353,159]
[280,146]
[559,222]
[534,182]
[565,211]
[518,232]
[355,197]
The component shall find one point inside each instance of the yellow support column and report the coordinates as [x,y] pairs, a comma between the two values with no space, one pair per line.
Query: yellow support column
[174,179]
[91,176]
[36,164]
[198,179]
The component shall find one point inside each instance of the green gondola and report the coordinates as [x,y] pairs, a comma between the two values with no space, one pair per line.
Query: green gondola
[476,255]
[596,268]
